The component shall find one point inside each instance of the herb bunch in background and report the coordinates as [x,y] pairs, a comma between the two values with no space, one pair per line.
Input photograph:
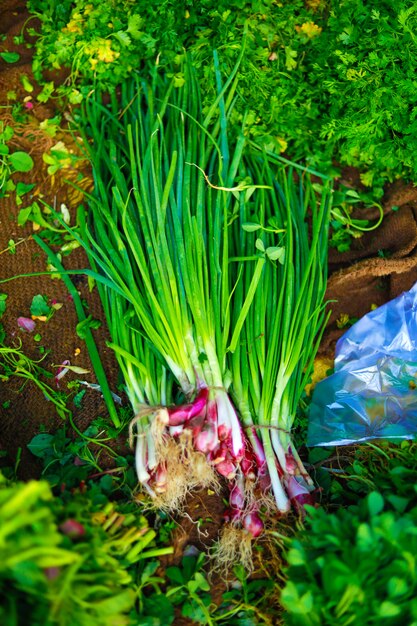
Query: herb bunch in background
[101,43]
[333,79]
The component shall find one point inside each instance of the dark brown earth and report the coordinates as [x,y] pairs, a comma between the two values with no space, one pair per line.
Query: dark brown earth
[358,279]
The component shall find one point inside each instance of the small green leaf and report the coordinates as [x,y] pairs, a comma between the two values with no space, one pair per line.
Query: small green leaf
[295,557]
[89,323]
[106,482]
[46,92]
[123,38]
[250,227]
[275,253]
[175,574]
[260,245]
[375,503]
[27,85]
[75,97]
[40,445]
[10,57]
[40,305]
[193,611]
[3,298]
[23,215]
[160,608]
[74,368]
[364,536]
[23,188]
[134,25]
[78,398]
[11,246]
[202,582]
[397,587]
[21,161]
[37,337]
[389,609]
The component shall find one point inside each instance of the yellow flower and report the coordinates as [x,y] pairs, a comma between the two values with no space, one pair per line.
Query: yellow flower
[322,365]
[343,320]
[103,51]
[75,23]
[72,27]
[282,144]
[309,29]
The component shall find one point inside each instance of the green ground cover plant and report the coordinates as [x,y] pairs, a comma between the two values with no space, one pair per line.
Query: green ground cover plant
[390,469]
[354,566]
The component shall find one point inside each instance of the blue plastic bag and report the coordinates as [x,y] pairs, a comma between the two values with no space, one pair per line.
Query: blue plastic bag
[373,391]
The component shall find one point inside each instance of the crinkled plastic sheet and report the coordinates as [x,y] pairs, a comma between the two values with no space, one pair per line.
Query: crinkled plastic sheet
[373,391]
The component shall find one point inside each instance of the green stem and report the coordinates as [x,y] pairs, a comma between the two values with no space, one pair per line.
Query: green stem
[89,340]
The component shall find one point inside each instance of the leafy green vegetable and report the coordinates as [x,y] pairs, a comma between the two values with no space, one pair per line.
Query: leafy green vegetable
[64,564]
[353,567]
[388,468]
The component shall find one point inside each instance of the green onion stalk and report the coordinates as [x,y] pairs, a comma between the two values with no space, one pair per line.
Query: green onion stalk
[274,358]
[157,234]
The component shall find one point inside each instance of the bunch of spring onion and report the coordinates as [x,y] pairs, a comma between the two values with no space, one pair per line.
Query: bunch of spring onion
[210,258]
[157,234]
[273,360]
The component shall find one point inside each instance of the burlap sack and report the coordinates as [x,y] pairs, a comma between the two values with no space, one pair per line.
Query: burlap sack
[22,413]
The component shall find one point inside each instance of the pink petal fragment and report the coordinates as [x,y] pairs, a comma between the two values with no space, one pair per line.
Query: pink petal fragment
[26,324]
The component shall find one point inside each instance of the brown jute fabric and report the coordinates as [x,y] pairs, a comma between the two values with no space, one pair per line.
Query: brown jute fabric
[379,266]
[23,413]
